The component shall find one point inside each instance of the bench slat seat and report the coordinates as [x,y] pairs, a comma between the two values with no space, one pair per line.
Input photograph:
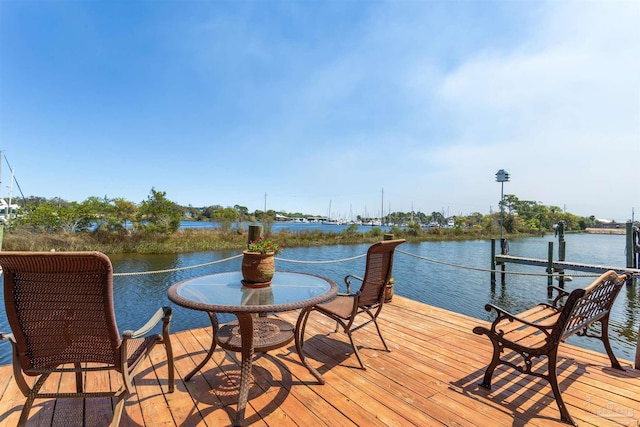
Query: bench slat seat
[538,331]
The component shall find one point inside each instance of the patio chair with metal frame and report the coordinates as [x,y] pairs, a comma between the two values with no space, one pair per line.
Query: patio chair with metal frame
[60,309]
[369,299]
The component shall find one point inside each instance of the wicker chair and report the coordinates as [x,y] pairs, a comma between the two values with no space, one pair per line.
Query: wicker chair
[369,299]
[60,309]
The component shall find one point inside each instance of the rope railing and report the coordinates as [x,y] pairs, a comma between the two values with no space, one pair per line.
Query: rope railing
[295,261]
[330,261]
[173,270]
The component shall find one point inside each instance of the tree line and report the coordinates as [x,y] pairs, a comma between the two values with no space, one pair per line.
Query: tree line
[159,215]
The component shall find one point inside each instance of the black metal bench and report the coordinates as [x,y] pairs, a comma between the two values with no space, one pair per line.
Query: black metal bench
[538,331]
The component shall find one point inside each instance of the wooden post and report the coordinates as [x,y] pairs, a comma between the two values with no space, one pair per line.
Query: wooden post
[550,270]
[630,247]
[255,232]
[493,263]
[561,252]
[388,290]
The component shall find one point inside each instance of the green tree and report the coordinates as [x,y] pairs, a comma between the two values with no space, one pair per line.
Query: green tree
[437,217]
[243,212]
[414,229]
[158,214]
[56,216]
[99,209]
[225,216]
[192,213]
[41,218]
[124,212]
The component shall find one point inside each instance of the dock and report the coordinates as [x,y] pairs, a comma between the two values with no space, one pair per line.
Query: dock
[430,378]
[565,265]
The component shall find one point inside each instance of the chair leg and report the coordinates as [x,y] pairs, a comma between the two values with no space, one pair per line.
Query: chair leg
[301,325]
[355,350]
[166,321]
[117,411]
[79,384]
[169,350]
[495,360]
[33,393]
[171,368]
[384,343]
[604,337]
[553,380]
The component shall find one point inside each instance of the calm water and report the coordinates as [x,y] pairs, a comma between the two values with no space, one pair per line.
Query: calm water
[454,288]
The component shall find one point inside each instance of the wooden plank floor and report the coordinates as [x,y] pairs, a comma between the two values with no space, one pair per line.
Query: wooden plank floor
[429,378]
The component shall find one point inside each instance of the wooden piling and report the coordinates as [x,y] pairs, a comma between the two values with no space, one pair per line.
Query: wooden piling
[388,289]
[562,250]
[255,232]
[493,263]
[549,269]
[630,247]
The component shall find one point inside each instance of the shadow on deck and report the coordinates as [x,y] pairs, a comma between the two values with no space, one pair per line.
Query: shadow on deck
[430,377]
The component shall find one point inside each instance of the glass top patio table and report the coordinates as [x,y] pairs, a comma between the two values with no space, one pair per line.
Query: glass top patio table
[224,293]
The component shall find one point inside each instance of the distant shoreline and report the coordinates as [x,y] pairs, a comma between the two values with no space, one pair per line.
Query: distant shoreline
[605,230]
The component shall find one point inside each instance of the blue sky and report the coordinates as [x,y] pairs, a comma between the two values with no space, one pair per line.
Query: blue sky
[303,105]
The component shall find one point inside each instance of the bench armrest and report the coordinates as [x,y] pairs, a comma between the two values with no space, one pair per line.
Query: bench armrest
[347,281]
[557,300]
[503,314]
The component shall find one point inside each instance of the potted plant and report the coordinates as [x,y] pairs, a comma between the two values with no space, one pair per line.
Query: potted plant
[258,262]
[264,245]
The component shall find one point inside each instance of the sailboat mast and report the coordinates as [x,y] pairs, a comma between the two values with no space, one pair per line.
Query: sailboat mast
[10,195]
[0,169]
[382,207]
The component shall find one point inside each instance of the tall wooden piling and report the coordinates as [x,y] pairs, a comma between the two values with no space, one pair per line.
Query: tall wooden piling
[388,289]
[562,251]
[630,247]
[550,269]
[493,263]
[255,232]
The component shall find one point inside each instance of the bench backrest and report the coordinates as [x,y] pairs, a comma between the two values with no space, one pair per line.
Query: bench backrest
[586,306]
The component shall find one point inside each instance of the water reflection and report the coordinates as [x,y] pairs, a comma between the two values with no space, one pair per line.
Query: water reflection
[442,284]
[256,296]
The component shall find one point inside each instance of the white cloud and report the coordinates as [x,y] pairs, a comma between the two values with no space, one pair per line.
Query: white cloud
[562,111]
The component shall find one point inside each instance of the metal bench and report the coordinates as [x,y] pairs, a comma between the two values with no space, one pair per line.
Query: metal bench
[538,331]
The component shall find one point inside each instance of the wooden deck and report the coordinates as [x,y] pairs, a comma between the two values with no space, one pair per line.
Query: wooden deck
[429,378]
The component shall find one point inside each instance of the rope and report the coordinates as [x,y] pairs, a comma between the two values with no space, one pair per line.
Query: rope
[320,262]
[434,261]
[173,270]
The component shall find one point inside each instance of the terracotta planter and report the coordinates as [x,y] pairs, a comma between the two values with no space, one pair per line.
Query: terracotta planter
[388,290]
[258,269]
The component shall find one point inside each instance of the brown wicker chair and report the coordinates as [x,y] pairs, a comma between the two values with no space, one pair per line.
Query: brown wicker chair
[60,309]
[369,299]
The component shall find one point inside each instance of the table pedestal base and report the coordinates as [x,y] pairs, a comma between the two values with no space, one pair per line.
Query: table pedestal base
[248,335]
